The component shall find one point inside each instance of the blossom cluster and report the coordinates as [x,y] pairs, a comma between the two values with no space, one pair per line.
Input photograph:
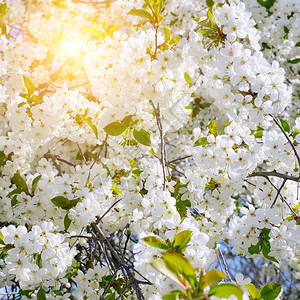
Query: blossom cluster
[134,120]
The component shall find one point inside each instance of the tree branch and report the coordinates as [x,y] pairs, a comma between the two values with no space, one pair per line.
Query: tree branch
[162,142]
[275,174]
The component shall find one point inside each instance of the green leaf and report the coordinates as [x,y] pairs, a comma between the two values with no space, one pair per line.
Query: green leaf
[94,128]
[167,33]
[285,125]
[252,290]
[67,222]
[116,190]
[213,128]
[35,181]
[225,290]
[142,136]
[16,191]
[93,30]
[210,3]
[297,44]
[3,10]
[34,99]
[41,295]
[295,133]
[140,13]
[201,142]
[14,201]
[26,293]
[20,182]
[182,265]
[28,85]
[254,249]
[270,291]
[62,202]
[174,40]
[266,3]
[181,239]
[293,61]
[163,267]
[211,277]
[188,79]
[115,128]
[174,295]
[111,296]
[265,248]
[156,242]
[226,124]
[127,120]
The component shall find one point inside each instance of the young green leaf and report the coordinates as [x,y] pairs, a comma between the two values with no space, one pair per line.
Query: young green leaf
[270,291]
[35,182]
[115,128]
[140,13]
[174,295]
[97,33]
[211,277]
[116,190]
[16,191]
[225,290]
[266,3]
[167,33]
[213,128]
[14,201]
[201,142]
[254,249]
[62,202]
[156,242]
[28,85]
[41,294]
[142,136]
[163,267]
[188,79]
[182,265]
[293,61]
[252,290]
[226,124]
[181,239]
[94,128]
[20,182]
[127,120]
[3,10]
[285,125]
[67,221]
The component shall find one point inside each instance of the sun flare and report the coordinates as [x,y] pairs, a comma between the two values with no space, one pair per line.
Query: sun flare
[70,47]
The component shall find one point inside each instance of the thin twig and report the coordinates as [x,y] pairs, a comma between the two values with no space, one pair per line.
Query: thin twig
[99,220]
[180,158]
[162,142]
[275,174]
[278,192]
[282,198]
[225,265]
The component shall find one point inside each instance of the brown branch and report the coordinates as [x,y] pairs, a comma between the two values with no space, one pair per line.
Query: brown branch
[119,262]
[281,197]
[180,158]
[54,160]
[278,192]
[275,174]
[99,220]
[162,142]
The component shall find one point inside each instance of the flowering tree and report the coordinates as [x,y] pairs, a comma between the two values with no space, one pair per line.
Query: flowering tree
[139,136]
